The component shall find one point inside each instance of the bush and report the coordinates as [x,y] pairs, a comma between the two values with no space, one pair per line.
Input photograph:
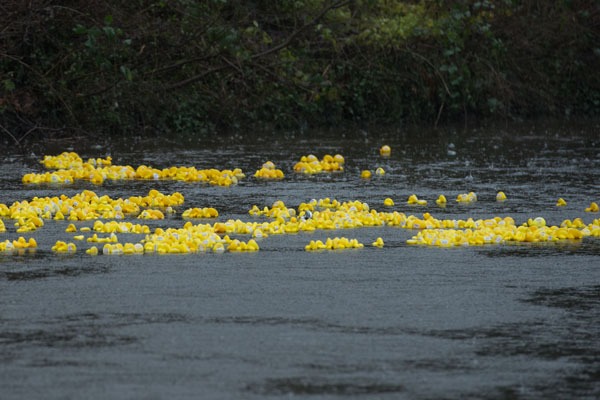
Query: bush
[192,67]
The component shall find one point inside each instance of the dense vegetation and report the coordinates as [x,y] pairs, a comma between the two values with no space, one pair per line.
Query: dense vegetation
[190,66]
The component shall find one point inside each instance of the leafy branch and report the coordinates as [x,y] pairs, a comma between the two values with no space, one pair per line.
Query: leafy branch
[285,43]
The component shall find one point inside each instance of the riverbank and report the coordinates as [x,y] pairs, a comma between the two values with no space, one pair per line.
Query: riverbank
[196,69]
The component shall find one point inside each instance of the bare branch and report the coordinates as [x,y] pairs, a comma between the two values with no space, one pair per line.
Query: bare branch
[10,134]
[271,50]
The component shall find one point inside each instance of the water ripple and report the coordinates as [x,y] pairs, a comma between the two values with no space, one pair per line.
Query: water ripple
[302,386]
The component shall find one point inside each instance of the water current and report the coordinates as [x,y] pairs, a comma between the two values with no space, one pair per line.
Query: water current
[494,321]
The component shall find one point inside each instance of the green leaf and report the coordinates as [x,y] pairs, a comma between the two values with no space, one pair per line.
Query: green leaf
[126,72]
[9,85]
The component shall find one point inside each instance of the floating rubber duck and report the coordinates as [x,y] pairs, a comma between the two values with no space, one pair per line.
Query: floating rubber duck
[206,212]
[71,228]
[466,197]
[151,214]
[365,174]
[500,196]
[441,200]
[385,150]
[537,222]
[337,243]
[70,167]
[380,171]
[561,202]
[218,248]
[92,251]
[593,207]
[269,171]
[378,242]
[22,243]
[388,202]
[310,164]
[63,247]
[413,199]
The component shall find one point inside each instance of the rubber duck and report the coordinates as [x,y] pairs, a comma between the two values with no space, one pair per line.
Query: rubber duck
[561,202]
[22,243]
[500,196]
[63,247]
[310,164]
[218,248]
[413,199]
[537,222]
[466,197]
[71,228]
[378,242]
[388,202]
[365,174]
[93,251]
[385,150]
[269,171]
[441,200]
[380,171]
[252,245]
[593,207]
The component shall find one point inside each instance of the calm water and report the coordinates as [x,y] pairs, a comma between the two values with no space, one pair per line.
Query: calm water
[402,322]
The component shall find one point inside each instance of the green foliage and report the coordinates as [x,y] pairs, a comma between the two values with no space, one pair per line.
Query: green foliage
[194,66]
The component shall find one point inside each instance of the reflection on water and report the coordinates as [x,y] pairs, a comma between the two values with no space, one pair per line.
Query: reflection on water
[85,330]
[555,249]
[25,272]
[303,386]
[573,299]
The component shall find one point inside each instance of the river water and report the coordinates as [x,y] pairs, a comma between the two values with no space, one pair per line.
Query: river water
[498,321]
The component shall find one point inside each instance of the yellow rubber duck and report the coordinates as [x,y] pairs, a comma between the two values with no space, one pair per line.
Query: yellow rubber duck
[378,242]
[365,174]
[93,251]
[380,171]
[593,207]
[537,222]
[561,202]
[22,243]
[388,202]
[466,197]
[441,200]
[63,247]
[385,150]
[71,228]
[413,199]
[500,196]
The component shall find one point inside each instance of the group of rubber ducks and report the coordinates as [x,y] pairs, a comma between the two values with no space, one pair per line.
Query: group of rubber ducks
[86,206]
[498,231]
[311,164]
[269,171]
[339,243]
[69,166]
[109,215]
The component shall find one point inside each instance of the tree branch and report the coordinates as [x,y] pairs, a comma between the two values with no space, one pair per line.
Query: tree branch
[271,50]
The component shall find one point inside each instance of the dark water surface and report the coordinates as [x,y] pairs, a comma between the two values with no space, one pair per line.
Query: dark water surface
[516,321]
